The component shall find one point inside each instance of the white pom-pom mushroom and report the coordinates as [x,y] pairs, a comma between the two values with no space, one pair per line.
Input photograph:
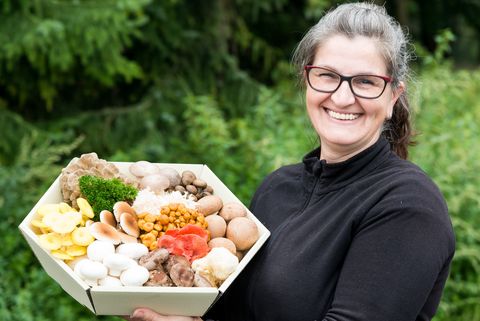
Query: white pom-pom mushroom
[222,262]
[98,250]
[134,276]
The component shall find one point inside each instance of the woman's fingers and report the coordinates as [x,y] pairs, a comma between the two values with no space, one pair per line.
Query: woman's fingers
[144,314]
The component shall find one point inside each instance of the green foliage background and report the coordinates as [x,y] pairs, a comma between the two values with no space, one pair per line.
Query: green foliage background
[195,82]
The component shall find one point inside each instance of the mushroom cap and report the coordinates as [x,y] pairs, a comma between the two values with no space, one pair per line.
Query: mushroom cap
[122,207]
[116,263]
[125,238]
[172,175]
[232,210]
[92,270]
[73,263]
[134,276]
[143,168]
[104,232]
[216,225]
[182,275]
[154,259]
[129,225]
[132,250]
[209,204]
[158,183]
[110,281]
[223,242]
[97,250]
[243,232]
[78,265]
[107,217]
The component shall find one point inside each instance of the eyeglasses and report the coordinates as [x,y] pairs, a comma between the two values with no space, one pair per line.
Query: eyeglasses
[364,86]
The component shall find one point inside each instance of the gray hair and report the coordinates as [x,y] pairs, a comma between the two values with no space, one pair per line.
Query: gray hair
[359,19]
[372,21]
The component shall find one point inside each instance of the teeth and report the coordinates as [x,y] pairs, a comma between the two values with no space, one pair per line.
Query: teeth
[342,116]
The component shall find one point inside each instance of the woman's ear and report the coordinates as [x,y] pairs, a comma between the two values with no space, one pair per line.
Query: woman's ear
[396,92]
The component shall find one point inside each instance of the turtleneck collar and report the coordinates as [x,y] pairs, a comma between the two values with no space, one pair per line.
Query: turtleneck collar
[346,171]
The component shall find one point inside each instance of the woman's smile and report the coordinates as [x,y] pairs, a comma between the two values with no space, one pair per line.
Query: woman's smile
[341,115]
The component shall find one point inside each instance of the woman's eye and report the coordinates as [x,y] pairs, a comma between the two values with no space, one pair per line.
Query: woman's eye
[366,81]
[327,75]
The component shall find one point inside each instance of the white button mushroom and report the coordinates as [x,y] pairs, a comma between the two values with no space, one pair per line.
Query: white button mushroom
[98,250]
[116,263]
[132,250]
[134,276]
[110,281]
[78,265]
[91,271]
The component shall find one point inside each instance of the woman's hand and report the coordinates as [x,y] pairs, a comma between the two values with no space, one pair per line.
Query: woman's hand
[144,314]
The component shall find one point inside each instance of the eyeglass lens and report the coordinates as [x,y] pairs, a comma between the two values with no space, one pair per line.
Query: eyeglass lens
[325,80]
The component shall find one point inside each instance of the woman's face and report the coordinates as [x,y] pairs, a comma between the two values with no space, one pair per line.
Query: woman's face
[347,124]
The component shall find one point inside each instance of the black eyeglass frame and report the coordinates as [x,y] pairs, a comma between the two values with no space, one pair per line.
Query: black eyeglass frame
[348,79]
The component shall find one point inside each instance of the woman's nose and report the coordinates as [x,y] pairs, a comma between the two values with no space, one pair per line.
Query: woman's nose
[343,96]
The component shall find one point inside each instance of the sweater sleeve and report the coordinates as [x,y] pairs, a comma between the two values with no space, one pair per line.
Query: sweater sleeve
[399,256]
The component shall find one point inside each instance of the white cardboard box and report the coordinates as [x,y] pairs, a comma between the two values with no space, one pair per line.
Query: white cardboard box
[103,300]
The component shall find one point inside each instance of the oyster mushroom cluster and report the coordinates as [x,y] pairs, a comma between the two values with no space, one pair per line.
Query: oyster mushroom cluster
[87,164]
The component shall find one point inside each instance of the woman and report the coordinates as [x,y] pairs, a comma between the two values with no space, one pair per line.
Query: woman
[358,232]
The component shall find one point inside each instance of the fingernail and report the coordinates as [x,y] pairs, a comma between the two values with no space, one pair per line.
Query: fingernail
[138,314]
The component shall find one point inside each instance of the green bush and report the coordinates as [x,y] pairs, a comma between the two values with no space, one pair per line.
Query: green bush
[447,121]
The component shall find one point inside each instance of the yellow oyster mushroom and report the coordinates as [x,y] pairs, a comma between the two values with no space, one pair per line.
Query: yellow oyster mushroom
[76,250]
[50,241]
[39,224]
[85,207]
[65,208]
[47,209]
[62,223]
[81,236]
[66,239]
[62,255]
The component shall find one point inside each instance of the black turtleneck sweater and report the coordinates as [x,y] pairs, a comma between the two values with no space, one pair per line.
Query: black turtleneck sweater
[367,239]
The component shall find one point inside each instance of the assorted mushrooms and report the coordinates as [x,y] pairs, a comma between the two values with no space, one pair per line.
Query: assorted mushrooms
[176,232]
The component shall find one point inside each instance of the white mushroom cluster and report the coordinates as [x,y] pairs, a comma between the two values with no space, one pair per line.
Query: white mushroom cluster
[106,265]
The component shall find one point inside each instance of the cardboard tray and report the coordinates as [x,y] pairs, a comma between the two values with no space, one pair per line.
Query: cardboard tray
[104,300]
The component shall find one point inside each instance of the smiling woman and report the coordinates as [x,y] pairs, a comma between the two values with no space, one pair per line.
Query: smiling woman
[358,233]
[348,112]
